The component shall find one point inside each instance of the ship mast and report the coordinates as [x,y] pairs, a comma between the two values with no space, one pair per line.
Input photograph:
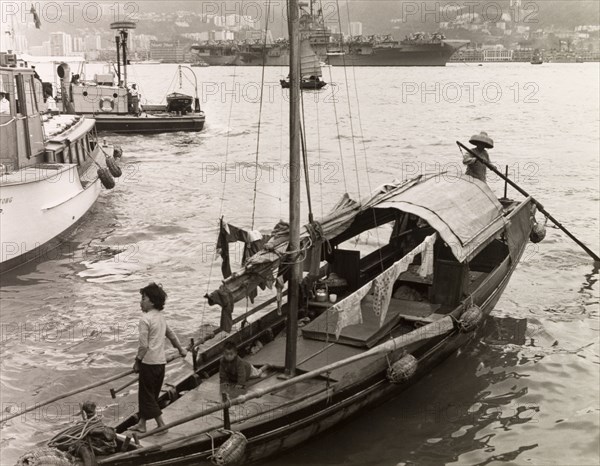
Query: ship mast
[294,203]
[121,42]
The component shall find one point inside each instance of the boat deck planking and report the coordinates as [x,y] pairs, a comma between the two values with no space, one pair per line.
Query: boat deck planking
[208,394]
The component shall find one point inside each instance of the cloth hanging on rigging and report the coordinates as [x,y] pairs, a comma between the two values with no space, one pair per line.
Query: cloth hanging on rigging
[383,285]
[223,298]
[253,242]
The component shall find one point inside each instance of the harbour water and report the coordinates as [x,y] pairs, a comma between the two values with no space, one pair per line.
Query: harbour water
[70,318]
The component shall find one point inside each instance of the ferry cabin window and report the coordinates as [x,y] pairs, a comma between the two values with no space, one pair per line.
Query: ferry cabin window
[82,149]
[75,150]
[29,90]
[5,97]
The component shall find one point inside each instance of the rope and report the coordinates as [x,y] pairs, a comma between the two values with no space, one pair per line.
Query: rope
[262,86]
[348,94]
[168,88]
[74,434]
[319,155]
[337,125]
[305,159]
[362,138]
[212,262]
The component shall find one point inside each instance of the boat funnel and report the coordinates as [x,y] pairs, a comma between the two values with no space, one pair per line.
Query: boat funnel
[64,73]
[197,105]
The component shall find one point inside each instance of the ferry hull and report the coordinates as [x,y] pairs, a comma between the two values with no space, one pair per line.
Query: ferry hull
[57,202]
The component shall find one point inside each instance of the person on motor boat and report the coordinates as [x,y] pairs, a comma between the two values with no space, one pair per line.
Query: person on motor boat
[475,168]
[4,103]
[151,359]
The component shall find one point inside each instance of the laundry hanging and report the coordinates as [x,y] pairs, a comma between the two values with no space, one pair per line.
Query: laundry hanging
[253,242]
[348,310]
[426,268]
[383,285]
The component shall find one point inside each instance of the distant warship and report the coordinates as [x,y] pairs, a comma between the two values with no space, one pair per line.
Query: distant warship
[418,49]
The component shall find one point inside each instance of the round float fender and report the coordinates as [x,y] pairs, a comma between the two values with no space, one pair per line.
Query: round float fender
[106,178]
[470,319]
[106,104]
[538,233]
[231,451]
[113,167]
[402,369]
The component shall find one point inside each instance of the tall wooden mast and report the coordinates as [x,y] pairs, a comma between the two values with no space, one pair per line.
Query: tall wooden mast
[294,241]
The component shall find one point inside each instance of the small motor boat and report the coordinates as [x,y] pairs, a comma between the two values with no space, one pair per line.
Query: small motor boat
[177,102]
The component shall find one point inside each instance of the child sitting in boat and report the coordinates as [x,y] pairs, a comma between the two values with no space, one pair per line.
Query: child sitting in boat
[233,370]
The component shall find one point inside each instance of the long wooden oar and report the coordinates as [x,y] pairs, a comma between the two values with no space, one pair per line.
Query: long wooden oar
[114,391]
[540,207]
[79,390]
[68,394]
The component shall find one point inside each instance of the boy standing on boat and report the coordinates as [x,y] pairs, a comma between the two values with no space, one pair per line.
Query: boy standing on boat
[475,168]
[234,371]
[151,360]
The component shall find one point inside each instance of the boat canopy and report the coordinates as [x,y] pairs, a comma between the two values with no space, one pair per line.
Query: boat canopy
[463,210]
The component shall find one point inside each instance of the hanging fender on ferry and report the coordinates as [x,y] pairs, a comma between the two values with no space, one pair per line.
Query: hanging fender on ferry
[106,178]
[117,152]
[107,104]
[113,166]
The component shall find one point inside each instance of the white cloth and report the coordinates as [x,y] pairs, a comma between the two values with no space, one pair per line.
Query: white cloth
[383,285]
[348,310]
[254,235]
[426,268]
[153,329]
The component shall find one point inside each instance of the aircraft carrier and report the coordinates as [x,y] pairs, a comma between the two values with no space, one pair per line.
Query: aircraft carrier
[420,49]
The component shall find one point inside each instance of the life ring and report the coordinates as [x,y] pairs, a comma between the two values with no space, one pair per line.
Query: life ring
[106,104]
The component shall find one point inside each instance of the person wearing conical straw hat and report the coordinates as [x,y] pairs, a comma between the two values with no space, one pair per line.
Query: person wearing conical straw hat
[475,168]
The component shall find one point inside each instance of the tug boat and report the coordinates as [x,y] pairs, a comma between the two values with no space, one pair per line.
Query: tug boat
[51,173]
[115,104]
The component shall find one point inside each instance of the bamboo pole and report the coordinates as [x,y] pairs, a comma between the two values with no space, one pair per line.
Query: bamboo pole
[591,253]
[68,394]
[83,389]
[160,446]
[434,329]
